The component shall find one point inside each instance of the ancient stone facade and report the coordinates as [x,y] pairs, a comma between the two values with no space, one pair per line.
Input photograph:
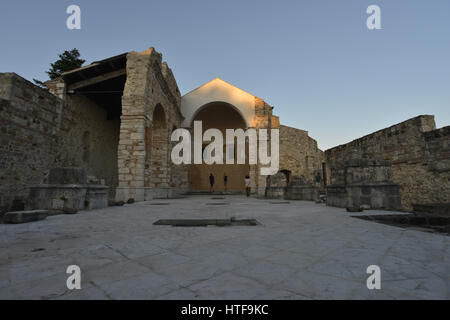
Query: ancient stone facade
[300,155]
[221,105]
[419,155]
[143,153]
[39,132]
[114,119]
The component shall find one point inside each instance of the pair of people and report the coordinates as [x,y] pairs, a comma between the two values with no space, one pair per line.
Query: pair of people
[225,182]
[212,181]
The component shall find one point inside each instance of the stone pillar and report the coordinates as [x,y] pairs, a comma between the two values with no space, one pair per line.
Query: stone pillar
[131,159]
[134,120]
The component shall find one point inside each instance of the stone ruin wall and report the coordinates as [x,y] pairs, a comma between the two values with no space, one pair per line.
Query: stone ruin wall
[89,140]
[39,131]
[299,154]
[419,156]
[30,120]
[150,83]
[263,119]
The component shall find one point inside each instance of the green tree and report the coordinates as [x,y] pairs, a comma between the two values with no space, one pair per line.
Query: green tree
[68,60]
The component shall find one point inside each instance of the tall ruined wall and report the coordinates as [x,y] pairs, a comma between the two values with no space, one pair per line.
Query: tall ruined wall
[419,155]
[89,140]
[149,84]
[30,120]
[299,153]
[433,182]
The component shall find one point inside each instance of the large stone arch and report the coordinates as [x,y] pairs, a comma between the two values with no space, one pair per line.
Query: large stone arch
[212,104]
[158,163]
[222,116]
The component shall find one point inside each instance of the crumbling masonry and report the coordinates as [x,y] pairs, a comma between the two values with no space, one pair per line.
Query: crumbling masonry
[109,124]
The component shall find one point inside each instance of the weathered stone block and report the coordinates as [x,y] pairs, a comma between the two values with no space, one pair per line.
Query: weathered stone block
[19,217]
[96,197]
[57,197]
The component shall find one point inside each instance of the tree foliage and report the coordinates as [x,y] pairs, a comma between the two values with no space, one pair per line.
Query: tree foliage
[68,60]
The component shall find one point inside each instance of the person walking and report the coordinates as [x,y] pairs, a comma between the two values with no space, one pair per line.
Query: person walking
[247,185]
[225,181]
[211,182]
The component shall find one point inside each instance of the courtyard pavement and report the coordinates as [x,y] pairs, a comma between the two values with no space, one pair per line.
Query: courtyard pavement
[301,250]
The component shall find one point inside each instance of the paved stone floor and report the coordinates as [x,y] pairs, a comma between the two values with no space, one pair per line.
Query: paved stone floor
[302,250]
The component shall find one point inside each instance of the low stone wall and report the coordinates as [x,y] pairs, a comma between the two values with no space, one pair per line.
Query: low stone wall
[364,183]
[68,189]
[419,155]
[306,192]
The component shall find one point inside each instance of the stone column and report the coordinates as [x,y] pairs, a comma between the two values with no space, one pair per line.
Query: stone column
[132,142]
[262,120]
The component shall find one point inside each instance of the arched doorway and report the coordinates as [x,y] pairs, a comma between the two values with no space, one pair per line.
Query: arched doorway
[159,150]
[287,173]
[222,116]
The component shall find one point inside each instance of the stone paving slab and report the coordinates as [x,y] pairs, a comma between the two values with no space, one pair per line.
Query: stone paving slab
[301,250]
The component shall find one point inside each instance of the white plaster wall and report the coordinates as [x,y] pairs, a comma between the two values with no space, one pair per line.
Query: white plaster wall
[217,90]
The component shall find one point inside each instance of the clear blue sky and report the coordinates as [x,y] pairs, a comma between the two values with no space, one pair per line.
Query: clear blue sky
[314,60]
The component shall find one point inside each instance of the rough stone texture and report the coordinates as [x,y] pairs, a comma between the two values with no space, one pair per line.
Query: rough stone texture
[362,182]
[149,84]
[20,217]
[96,197]
[133,153]
[420,157]
[300,155]
[67,176]
[38,131]
[300,189]
[89,140]
[68,189]
[276,186]
[30,121]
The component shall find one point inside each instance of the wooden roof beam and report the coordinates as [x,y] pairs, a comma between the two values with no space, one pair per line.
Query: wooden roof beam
[97,79]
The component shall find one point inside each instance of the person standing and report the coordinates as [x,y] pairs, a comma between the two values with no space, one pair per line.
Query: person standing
[211,182]
[225,181]
[247,185]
